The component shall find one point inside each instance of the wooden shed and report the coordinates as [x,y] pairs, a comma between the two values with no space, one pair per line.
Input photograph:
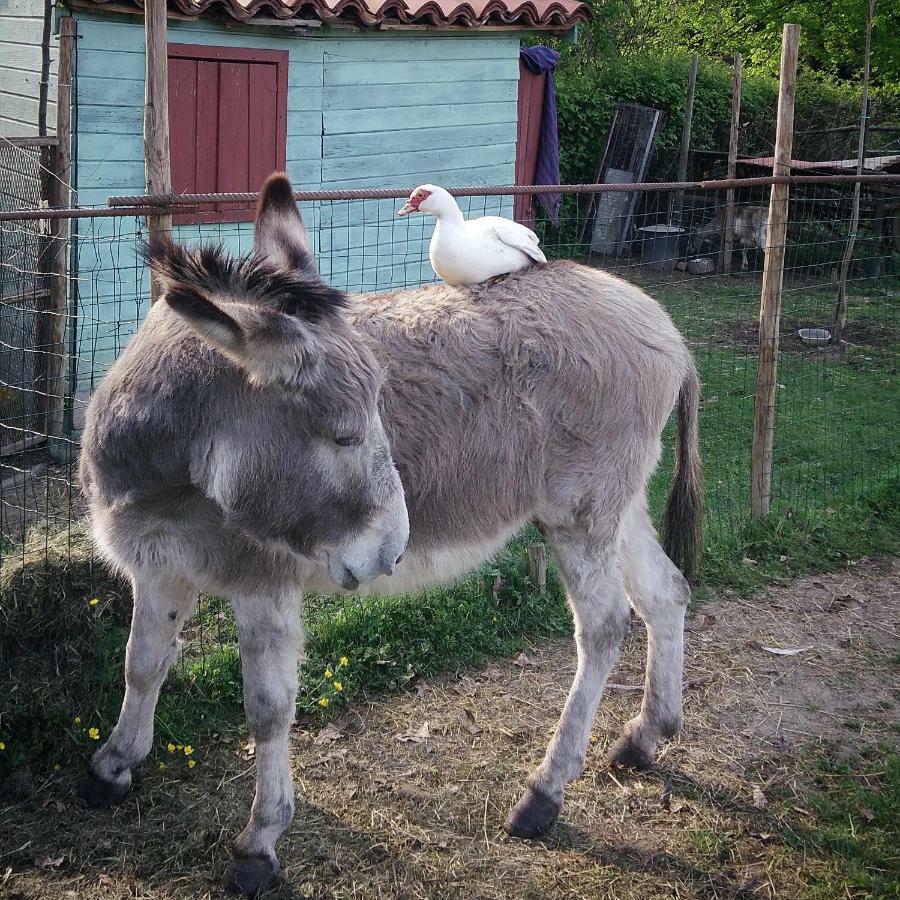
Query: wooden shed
[343,93]
[340,93]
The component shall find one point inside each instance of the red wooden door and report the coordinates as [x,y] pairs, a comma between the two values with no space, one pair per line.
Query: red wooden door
[227,123]
[528,135]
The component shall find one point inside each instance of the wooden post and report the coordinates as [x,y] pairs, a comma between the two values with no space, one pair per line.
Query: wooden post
[678,197]
[773,274]
[840,312]
[157,169]
[44,88]
[728,239]
[537,566]
[51,337]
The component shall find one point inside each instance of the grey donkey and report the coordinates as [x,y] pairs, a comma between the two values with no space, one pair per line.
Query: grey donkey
[264,434]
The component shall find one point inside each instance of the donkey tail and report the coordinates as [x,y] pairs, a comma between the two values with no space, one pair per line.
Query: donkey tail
[682,522]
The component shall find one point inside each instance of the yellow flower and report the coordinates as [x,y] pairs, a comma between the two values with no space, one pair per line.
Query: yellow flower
[162,765]
[323,702]
[328,673]
[179,746]
[192,763]
[345,661]
[77,720]
[188,750]
[2,745]
[338,686]
[56,767]
[170,747]
[94,601]
[94,734]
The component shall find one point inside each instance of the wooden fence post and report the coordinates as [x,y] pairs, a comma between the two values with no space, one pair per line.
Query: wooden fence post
[51,335]
[728,239]
[840,312]
[157,169]
[537,566]
[773,274]
[44,88]
[678,196]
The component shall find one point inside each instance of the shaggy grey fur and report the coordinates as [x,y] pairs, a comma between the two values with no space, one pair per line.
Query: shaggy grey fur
[246,442]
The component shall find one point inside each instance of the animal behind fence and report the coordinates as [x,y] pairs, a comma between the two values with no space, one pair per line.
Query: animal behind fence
[750,224]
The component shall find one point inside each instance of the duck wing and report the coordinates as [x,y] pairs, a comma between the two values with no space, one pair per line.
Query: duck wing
[515,235]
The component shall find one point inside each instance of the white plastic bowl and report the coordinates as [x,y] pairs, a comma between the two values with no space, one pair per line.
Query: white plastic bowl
[818,337]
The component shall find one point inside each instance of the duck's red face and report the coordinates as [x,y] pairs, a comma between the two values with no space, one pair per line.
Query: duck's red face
[418,196]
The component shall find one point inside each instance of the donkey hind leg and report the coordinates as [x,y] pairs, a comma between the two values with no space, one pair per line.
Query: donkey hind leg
[596,596]
[161,605]
[660,594]
[269,635]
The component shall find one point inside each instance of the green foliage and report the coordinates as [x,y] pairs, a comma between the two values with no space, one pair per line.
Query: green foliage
[586,96]
[857,824]
[832,33]
[391,641]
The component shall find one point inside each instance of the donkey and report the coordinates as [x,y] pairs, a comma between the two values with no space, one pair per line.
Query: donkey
[264,434]
[750,223]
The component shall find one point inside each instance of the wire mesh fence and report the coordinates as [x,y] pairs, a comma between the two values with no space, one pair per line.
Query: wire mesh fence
[837,403]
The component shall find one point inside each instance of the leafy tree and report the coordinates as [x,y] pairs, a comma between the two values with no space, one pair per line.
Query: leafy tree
[833,33]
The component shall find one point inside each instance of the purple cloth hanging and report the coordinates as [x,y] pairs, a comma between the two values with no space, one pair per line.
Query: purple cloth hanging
[542,59]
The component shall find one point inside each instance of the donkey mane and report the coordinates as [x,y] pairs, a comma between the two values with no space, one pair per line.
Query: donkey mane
[209,268]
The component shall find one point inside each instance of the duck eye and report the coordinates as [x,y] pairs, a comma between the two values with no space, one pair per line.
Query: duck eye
[348,440]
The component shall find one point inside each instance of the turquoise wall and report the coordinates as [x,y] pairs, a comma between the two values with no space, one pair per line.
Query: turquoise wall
[21,25]
[364,110]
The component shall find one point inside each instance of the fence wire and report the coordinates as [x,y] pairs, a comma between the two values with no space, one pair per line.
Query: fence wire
[837,404]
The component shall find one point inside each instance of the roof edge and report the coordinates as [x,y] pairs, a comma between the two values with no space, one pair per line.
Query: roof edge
[494,15]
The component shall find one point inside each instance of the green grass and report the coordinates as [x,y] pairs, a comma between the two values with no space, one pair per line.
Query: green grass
[836,480]
[388,641]
[855,827]
[836,499]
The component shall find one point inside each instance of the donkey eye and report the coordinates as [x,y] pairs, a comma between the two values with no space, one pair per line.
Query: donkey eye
[349,440]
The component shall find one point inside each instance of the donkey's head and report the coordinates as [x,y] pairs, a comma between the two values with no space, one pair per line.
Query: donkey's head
[285,330]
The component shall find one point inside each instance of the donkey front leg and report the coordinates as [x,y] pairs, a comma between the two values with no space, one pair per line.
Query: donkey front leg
[597,598]
[269,634]
[161,605]
[660,594]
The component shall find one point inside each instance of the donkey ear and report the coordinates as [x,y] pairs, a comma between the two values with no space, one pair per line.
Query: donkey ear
[211,322]
[280,233]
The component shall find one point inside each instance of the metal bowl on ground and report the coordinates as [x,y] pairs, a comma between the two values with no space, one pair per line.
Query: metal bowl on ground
[815,337]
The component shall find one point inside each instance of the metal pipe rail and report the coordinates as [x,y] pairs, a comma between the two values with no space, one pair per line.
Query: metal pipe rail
[507,190]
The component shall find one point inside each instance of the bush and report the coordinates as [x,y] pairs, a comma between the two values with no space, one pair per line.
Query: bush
[586,96]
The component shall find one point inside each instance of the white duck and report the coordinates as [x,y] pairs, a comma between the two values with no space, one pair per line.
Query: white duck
[470,252]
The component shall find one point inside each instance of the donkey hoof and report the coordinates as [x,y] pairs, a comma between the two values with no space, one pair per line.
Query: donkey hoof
[626,753]
[100,794]
[249,875]
[532,815]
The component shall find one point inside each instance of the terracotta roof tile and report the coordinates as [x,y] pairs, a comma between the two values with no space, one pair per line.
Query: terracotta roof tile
[467,13]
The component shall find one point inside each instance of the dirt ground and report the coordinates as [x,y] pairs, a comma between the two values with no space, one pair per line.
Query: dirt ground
[861,332]
[404,796]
